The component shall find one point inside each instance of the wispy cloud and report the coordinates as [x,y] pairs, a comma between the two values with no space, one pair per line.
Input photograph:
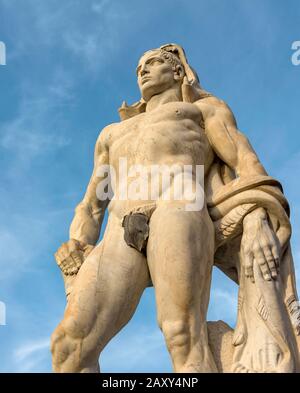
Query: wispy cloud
[97,45]
[29,349]
[91,35]
[136,350]
[23,241]
[99,6]
[30,355]
[33,131]
[13,253]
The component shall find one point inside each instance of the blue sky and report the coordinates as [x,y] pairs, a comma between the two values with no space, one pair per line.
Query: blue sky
[69,66]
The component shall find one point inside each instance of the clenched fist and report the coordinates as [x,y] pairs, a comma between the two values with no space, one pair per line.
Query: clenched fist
[71,255]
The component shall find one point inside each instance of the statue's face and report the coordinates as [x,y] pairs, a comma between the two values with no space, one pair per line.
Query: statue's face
[155,75]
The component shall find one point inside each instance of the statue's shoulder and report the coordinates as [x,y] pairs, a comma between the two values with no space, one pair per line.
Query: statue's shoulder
[211,101]
[211,105]
[106,134]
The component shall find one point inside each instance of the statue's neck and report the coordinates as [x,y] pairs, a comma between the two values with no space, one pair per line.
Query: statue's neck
[171,95]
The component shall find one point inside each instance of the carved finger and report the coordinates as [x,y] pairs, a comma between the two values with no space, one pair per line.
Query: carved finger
[273,268]
[77,258]
[263,264]
[270,260]
[63,251]
[68,262]
[248,262]
[276,256]
[68,266]
[275,252]
[60,262]
[275,246]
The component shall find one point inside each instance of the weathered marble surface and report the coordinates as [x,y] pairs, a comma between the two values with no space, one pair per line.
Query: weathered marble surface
[243,228]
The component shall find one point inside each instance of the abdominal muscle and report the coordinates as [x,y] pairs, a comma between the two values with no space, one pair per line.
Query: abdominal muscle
[165,141]
[171,183]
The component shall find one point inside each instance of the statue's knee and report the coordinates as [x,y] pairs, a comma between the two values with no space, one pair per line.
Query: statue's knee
[59,347]
[64,340]
[70,339]
[176,333]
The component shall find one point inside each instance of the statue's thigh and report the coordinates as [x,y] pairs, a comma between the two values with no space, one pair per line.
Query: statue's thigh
[180,257]
[109,284]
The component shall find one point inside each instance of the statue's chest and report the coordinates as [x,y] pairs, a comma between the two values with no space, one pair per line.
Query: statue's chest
[170,128]
[173,112]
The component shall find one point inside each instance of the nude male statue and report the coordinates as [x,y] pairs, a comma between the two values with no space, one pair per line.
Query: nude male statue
[105,281]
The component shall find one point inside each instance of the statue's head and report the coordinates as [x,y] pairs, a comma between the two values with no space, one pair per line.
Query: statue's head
[158,71]
[161,69]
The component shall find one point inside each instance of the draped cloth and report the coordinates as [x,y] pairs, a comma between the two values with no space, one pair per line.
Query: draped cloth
[266,336]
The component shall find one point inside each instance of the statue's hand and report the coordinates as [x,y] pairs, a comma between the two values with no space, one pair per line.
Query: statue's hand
[260,243]
[71,255]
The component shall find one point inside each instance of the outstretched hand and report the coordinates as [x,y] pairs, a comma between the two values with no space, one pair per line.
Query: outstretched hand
[259,243]
[71,255]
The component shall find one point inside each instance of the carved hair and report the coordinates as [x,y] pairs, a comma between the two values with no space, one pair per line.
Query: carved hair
[168,56]
[171,58]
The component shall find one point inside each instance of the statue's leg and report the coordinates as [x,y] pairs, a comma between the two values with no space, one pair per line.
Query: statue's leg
[180,257]
[103,299]
[267,343]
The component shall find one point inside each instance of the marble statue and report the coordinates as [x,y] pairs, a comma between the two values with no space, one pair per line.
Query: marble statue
[242,227]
